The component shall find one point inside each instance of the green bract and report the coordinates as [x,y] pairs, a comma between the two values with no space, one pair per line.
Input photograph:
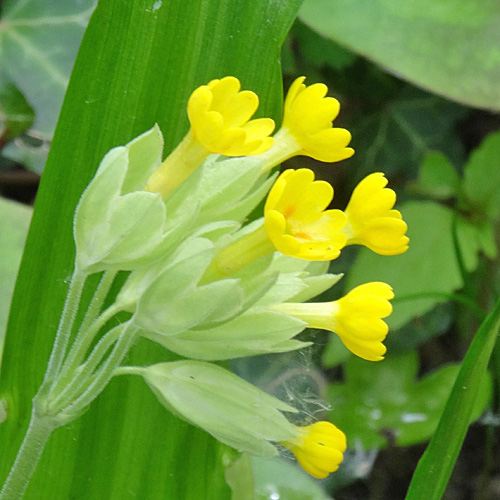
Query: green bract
[232,410]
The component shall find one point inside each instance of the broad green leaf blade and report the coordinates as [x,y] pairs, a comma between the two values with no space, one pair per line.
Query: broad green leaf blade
[429,43]
[138,63]
[14,223]
[436,465]
[38,44]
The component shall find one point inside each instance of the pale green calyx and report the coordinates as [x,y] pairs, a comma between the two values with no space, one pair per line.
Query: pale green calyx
[117,225]
[230,409]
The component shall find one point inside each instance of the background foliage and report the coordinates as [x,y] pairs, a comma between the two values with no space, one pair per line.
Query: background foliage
[422,108]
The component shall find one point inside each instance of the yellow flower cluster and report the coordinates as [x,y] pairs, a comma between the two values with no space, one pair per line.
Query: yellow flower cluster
[297,219]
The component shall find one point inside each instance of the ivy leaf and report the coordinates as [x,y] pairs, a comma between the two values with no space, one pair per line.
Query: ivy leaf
[16,114]
[404,130]
[38,44]
[383,399]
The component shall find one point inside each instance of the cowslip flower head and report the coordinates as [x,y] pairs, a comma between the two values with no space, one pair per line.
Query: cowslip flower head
[219,114]
[307,127]
[319,448]
[296,220]
[371,219]
[356,318]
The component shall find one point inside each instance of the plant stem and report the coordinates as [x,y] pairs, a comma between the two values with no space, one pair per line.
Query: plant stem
[29,454]
[106,372]
[98,299]
[129,370]
[80,347]
[65,325]
[75,386]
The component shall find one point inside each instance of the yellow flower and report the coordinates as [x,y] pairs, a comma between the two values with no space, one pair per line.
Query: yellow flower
[307,127]
[371,220]
[296,220]
[219,114]
[356,318]
[318,448]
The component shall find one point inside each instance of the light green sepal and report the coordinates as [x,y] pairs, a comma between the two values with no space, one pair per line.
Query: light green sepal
[230,409]
[225,189]
[116,225]
[251,333]
[173,302]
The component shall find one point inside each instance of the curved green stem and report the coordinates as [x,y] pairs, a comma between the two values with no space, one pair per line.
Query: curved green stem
[76,385]
[65,325]
[81,346]
[106,371]
[98,299]
[129,370]
[27,459]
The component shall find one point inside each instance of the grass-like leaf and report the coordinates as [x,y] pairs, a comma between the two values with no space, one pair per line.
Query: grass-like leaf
[436,465]
[137,65]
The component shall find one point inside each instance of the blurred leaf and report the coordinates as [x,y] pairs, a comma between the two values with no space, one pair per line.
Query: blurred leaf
[29,149]
[335,352]
[432,324]
[14,222]
[239,477]
[318,50]
[432,44]
[436,465]
[283,479]
[405,129]
[429,265]
[383,399]
[481,185]
[16,114]
[138,63]
[437,179]
[38,44]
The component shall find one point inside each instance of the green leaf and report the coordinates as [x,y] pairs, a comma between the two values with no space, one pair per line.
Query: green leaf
[383,399]
[428,43]
[38,44]
[404,130]
[283,479]
[428,266]
[436,465]
[481,184]
[438,178]
[138,63]
[14,222]
[319,50]
[16,114]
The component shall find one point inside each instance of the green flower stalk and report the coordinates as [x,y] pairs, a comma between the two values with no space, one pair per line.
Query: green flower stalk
[206,285]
